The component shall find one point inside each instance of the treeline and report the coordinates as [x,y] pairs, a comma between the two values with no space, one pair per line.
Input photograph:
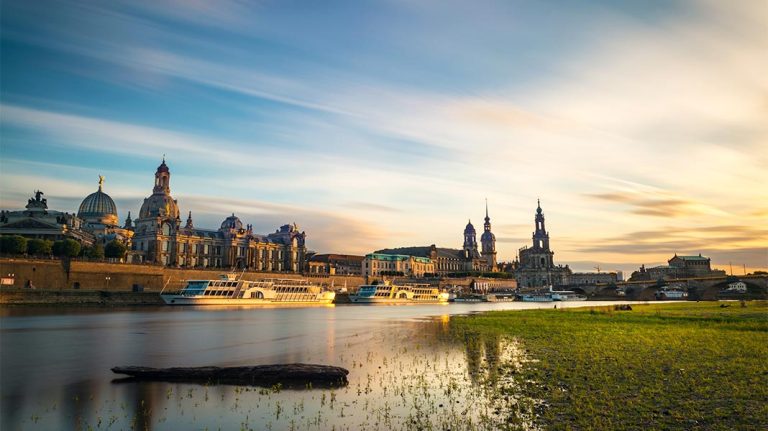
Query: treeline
[19,245]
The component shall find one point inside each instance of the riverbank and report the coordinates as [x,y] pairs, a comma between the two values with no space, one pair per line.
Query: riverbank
[64,298]
[659,366]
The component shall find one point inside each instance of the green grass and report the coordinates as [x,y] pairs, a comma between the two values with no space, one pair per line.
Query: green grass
[662,366]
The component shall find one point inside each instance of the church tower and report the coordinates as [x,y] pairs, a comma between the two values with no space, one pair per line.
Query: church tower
[488,241]
[470,241]
[540,236]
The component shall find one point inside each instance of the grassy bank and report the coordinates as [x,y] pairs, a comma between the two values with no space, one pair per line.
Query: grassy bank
[661,366]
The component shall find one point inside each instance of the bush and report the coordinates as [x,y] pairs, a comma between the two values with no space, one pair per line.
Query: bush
[66,248]
[96,252]
[39,247]
[13,244]
[115,249]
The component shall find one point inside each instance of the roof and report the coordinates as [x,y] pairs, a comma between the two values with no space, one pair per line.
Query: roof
[424,251]
[396,257]
[699,257]
[335,257]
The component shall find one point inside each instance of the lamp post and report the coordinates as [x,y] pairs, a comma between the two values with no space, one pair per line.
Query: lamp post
[107,278]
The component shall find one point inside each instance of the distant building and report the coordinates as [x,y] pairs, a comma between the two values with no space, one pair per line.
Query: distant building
[37,221]
[592,278]
[380,264]
[161,238]
[336,264]
[678,267]
[536,267]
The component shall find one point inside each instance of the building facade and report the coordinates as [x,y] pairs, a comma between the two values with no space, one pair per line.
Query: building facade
[335,264]
[160,237]
[592,278]
[380,265]
[536,266]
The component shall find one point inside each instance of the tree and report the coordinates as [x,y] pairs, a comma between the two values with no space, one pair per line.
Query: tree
[96,252]
[115,249]
[13,244]
[66,248]
[39,247]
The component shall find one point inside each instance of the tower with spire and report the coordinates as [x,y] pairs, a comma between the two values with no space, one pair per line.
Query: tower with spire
[536,267]
[488,241]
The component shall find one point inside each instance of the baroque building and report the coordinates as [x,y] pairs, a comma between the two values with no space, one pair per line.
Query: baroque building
[451,260]
[678,267]
[161,238]
[536,267]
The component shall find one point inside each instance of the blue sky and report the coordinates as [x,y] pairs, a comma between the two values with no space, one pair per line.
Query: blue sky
[641,125]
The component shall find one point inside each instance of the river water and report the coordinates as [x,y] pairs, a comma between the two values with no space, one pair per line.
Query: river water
[406,371]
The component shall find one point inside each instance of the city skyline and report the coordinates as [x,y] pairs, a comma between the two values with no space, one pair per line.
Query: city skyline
[389,126]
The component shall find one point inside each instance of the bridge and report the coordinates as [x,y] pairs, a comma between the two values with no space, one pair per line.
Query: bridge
[698,288]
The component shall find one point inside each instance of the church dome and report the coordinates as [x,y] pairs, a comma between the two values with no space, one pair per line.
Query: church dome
[470,228]
[232,222]
[159,205]
[98,207]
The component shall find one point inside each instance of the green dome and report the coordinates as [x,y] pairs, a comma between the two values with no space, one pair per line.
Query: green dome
[98,207]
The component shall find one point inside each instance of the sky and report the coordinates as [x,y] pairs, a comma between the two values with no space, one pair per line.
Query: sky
[641,125]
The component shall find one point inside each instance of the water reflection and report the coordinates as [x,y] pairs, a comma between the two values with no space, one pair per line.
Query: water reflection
[405,373]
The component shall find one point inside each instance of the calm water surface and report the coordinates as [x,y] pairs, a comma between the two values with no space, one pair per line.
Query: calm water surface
[406,371]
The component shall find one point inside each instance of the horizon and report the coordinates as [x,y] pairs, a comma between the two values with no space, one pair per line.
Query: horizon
[642,129]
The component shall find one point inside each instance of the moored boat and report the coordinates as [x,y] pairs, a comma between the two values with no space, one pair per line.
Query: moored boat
[668,292]
[230,291]
[390,293]
[536,297]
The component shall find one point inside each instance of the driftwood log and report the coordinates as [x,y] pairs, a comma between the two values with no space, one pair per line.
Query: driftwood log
[286,375]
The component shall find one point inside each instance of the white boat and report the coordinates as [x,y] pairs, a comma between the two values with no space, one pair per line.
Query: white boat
[668,292]
[230,291]
[567,295]
[389,293]
[536,297]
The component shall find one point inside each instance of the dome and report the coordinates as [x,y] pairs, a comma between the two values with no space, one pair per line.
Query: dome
[98,207]
[163,167]
[488,236]
[469,228]
[159,205]
[232,222]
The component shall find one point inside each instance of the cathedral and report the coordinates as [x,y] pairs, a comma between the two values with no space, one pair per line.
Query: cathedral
[536,267]
[160,237]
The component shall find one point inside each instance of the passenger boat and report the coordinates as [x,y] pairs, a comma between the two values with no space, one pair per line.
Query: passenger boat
[668,292]
[567,295]
[551,295]
[536,297]
[389,293]
[228,290]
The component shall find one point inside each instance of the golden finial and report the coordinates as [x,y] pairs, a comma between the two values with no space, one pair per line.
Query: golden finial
[101,181]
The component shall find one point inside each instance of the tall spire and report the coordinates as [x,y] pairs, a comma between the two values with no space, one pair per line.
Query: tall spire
[189,224]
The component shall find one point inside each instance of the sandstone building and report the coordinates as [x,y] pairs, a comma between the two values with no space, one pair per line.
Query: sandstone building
[161,238]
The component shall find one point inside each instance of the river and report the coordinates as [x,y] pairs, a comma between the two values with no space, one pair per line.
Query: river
[404,373]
